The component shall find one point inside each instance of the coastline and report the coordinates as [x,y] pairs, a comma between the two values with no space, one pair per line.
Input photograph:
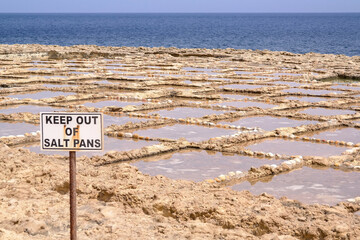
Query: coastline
[347,65]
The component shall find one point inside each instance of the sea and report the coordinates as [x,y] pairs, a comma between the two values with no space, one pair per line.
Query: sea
[333,33]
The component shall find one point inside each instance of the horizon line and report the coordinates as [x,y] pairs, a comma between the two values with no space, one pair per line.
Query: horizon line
[163,12]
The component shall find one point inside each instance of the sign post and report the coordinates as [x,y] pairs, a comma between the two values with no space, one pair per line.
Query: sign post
[72,132]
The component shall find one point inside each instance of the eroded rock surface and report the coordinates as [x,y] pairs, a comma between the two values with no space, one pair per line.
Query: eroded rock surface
[118,201]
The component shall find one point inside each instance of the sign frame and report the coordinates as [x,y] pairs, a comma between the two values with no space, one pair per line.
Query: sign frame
[62,121]
[64,124]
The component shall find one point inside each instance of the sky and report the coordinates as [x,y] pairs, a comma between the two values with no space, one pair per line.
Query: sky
[159,6]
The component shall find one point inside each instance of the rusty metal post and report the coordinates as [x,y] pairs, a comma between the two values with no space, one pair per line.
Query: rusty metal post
[72,169]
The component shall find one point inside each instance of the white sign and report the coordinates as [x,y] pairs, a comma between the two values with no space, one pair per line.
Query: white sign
[71,131]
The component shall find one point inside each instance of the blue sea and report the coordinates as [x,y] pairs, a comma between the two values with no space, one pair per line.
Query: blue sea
[300,33]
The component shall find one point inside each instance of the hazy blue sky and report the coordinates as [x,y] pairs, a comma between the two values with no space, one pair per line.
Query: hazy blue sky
[180,6]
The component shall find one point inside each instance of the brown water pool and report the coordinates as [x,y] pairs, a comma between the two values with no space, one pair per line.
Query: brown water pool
[310,99]
[337,134]
[41,94]
[8,128]
[192,133]
[243,86]
[244,104]
[267,122]
[236,96]
[311,91]
[288,83]
[326,111]
[35,109]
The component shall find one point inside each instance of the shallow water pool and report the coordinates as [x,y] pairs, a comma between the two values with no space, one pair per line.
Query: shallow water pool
[197,165]
[41,95]
[309,185]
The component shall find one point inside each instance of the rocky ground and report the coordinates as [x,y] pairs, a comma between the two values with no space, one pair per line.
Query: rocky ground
[119,202]
[115,200]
